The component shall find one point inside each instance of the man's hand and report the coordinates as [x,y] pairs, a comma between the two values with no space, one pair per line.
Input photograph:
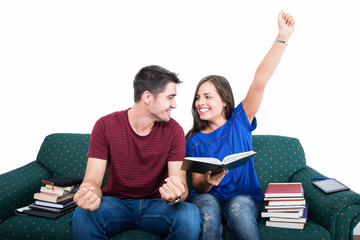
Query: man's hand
[172,188]
[86,197]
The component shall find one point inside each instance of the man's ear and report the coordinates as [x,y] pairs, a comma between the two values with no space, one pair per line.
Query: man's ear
[147,97]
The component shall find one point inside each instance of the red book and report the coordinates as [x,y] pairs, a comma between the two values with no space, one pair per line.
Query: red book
[284,190]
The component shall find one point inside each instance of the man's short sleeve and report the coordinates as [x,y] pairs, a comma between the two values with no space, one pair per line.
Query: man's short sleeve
[98,147]
[177,151]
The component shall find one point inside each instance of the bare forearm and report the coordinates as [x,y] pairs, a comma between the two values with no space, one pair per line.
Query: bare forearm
[202,186]
[270,62]
[268,65]
[89,195]
[184,195]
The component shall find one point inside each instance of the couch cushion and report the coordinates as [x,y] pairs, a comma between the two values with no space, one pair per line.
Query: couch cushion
[136,234]
[64,155]
[277,158]
[31,227]
[311,231]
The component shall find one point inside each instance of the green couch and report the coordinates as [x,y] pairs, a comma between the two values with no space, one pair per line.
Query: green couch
[279,159]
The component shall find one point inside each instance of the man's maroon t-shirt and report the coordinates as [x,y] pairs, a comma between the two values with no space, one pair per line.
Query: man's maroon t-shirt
[136,165]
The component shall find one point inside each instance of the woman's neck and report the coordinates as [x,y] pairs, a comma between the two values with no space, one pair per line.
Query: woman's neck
[212,126]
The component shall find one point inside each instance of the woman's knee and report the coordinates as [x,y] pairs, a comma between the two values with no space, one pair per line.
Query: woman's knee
[205,200]
[242,206]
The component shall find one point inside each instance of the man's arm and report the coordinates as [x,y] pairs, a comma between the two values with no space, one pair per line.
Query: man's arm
[267,67]
[90,194]
[175,185]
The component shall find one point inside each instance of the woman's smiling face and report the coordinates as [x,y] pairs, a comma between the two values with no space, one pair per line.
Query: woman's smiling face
[209,103]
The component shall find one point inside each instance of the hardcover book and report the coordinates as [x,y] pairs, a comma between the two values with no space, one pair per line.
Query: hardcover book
[291,225]
[49,197]
[284,190]
[62,204]
[47,214]
[301,219]
[204,164]
[287,202]
[52,209]
[294,214]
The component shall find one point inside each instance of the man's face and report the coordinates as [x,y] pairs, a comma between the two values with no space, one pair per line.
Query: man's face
[163,103]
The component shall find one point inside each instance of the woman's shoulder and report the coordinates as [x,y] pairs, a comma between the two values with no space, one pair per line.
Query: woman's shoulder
[237,110]
[239,117]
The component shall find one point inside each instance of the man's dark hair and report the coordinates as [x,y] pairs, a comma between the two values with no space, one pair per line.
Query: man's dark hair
[153,79]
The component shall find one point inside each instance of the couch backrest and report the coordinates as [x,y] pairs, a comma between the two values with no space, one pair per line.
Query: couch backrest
[64,154]
[277,158]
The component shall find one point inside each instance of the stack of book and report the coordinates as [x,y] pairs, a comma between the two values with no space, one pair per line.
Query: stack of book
[54,199]
[285,206]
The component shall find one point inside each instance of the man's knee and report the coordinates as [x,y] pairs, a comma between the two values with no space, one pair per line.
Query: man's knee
[187,210]
[78,220]
[189,215]
[186,222]
[75,215]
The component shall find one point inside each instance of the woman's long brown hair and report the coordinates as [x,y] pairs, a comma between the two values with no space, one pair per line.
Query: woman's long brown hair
[224,90]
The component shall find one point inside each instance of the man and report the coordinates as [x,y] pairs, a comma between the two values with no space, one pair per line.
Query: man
[142,149]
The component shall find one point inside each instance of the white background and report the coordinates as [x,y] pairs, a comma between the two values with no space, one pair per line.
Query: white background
[64,64]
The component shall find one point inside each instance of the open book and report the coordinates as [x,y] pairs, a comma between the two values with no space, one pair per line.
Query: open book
[204,164]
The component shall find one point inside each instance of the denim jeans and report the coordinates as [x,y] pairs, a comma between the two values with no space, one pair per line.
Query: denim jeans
[179,221]
[239,212]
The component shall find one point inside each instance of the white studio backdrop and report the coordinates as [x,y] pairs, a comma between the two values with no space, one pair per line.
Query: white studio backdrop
[64,64]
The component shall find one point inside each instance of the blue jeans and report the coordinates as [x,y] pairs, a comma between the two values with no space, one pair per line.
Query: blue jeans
[239,212]
[180,221]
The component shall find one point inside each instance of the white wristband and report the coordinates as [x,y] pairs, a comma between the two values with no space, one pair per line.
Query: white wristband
[282,41]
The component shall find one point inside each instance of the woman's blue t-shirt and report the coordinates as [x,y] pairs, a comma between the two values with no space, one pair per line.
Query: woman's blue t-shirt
[233,137]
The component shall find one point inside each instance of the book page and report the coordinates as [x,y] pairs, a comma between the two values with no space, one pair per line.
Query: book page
[205,160]
[233,157]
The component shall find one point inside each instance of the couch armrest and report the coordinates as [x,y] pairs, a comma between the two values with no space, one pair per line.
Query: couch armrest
[338,212]
[18,186]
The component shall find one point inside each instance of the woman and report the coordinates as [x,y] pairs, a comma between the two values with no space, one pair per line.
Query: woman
[218,130]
